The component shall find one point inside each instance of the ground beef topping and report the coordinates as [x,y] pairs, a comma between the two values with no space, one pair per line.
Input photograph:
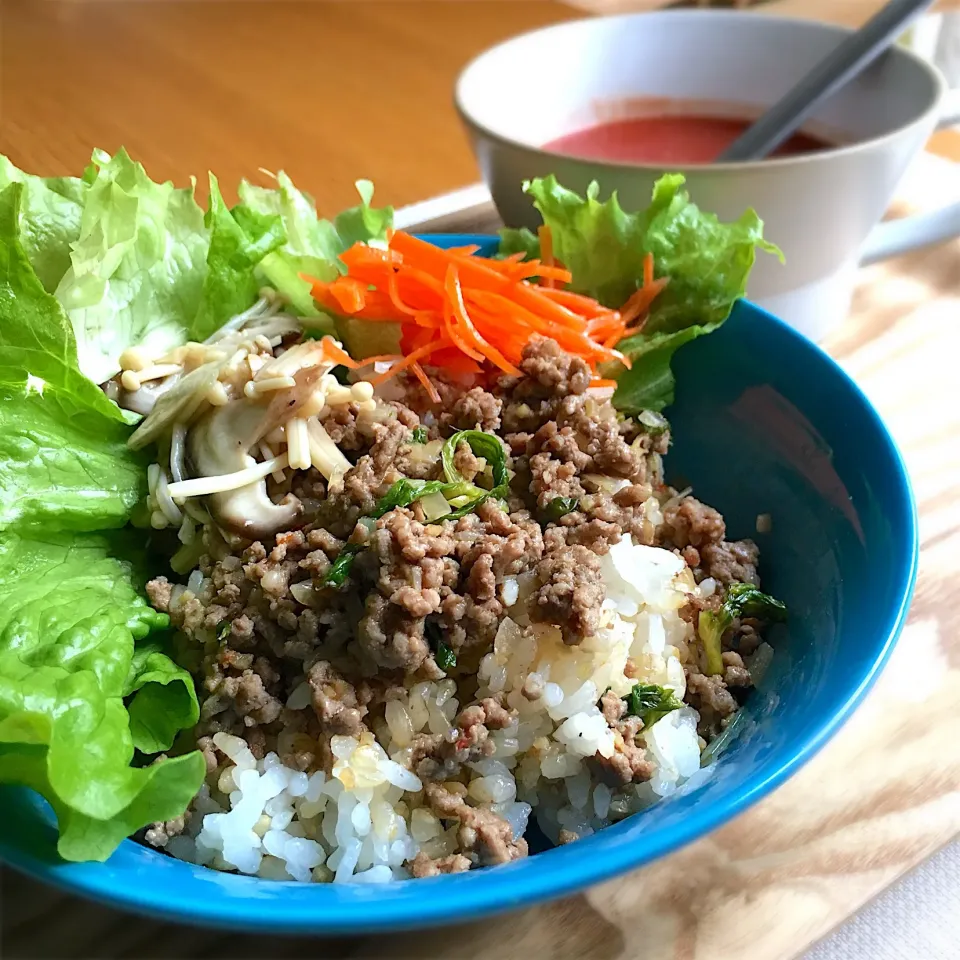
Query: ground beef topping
[482,833]
[424,866]
[572,592]
[629,763]
[288,659]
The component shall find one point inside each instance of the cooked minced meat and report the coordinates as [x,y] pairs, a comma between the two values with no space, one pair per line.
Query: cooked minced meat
[335,701]
[424,866]
[629,762]
[481,832]
[289,661]
[439,757]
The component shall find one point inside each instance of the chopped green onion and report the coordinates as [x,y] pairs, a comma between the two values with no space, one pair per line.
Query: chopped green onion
[651,702]
[559,507]
[404,492]
[445,657]
[341,567]
[419,435]
[742,600]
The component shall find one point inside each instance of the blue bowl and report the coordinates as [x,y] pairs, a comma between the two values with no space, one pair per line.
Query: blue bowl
[764,422]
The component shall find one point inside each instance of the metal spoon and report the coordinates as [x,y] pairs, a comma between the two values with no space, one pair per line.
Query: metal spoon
[840,66]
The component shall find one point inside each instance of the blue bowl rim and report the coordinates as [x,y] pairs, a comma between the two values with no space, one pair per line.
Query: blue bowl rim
[476,896]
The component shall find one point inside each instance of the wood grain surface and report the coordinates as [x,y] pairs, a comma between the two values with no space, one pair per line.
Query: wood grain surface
[882,796]
[328,91]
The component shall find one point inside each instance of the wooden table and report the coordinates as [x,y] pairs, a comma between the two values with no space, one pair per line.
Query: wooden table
[173,81]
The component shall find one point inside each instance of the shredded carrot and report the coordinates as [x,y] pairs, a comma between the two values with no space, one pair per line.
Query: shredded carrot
[455,296]
[546,253]
[333,351]
[638,304]
[470,314]
[407,361]
[648,270]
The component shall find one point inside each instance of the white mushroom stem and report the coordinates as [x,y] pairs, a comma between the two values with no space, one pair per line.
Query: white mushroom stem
[225,482]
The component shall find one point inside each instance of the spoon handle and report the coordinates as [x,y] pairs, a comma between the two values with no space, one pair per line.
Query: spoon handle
[836,69]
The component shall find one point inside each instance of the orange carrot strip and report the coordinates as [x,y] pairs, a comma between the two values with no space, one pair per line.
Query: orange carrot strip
[394,294]
[546,254]
[333,351]
[614,338]
[425,380]
[534,299]
[453,332]
[577,302]
[409,359]
[554,273]
[600,382]
[518,321]
[349,293]
[648,270]
[475,271]
[459,308]
[362,254]
[428,318]
[640,301]
[381,358]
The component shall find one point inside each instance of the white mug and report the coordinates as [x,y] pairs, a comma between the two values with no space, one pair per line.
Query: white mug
[822,209]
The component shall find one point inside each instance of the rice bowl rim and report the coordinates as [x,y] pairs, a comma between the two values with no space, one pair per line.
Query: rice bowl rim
[131,879]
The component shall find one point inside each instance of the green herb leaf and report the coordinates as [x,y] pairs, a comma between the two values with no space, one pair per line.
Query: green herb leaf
[559,507]
[741,600]
[341,567]
[746,600]
[443,654]
[651,702]
[445,657]
[223,629]
[419,435]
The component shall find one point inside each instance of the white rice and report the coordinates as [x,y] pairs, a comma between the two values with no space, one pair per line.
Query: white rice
[365,820]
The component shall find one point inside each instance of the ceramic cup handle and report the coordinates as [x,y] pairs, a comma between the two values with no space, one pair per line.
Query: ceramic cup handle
[896,237]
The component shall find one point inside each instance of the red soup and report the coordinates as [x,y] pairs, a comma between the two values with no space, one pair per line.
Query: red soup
[668,139]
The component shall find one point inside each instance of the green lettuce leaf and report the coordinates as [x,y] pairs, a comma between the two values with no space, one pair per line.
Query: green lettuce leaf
[313,245]
[519,241]
[62,466]
[238,242]
[49,219]
[363,223]
[137,270]
[164,700]
[36,339]
[64,463]
[604,248]
[70,619]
